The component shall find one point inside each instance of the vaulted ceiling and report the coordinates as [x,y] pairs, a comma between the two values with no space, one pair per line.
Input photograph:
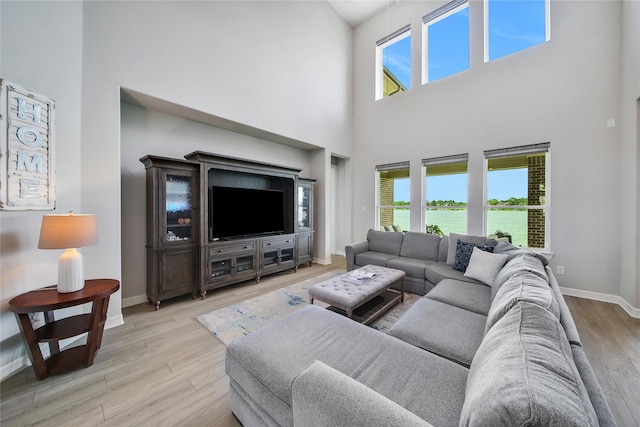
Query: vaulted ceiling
[355,12]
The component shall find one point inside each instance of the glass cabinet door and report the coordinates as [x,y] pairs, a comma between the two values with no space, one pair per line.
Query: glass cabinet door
[303,206]
[178,208]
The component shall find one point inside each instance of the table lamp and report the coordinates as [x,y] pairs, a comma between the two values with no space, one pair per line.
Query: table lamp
[68,232]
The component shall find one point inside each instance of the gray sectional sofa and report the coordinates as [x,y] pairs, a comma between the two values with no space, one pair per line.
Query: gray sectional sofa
[502,353]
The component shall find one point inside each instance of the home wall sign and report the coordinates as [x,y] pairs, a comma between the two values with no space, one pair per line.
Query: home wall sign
[27,172]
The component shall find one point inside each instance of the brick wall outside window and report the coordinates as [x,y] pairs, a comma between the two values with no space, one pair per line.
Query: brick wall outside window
[536,195]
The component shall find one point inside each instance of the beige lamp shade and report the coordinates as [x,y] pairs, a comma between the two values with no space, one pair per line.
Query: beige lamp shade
[68,231]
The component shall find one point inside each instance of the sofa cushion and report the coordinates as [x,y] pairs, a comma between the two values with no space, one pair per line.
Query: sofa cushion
[386,243]
[413,267]
[442,329]
[265,362]
[523,261]
[512,251]
[523,374]
[470,296]
[439,271]
[375,258]
[420,245]
[524,286]
[443,249]
[453,241]
[484,265]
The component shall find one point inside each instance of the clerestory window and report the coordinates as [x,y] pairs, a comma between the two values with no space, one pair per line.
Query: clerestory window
[445,44]
[393,63]
[513,25]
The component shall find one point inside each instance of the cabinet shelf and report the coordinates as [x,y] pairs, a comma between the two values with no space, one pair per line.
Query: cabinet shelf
[64,328]
[66,360]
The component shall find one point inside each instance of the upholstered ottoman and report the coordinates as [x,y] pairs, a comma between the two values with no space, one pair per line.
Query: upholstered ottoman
[356,288]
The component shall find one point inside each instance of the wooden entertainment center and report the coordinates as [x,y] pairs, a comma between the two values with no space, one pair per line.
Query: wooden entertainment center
[266,226]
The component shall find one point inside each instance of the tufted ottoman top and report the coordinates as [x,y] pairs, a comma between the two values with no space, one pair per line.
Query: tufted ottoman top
[346,291]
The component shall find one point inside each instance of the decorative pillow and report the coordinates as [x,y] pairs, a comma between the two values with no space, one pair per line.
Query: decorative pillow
[463,254]
[484,266]
[453,239]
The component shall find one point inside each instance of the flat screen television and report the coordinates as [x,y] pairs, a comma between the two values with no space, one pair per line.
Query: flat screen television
[241,212]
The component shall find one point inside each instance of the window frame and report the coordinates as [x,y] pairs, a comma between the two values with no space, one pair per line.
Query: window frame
[381,44]
[378,205]
[434,17]
[547,28]
[443,160]
[545,148]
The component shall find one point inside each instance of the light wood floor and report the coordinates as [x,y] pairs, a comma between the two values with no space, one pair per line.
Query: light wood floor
[164,369]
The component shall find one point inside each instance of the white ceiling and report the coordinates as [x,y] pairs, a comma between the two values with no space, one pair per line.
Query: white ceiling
[355,12]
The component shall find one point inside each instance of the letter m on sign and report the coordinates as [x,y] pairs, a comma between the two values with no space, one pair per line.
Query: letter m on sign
[27,168]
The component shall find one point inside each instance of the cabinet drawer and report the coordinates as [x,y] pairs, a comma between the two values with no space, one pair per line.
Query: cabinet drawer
[229,249]
[277,242]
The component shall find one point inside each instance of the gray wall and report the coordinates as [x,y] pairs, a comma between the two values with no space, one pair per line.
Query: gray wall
[630,154]
[41,50]
[562,91]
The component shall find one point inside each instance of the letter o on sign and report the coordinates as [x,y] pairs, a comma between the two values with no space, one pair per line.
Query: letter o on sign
[29,136]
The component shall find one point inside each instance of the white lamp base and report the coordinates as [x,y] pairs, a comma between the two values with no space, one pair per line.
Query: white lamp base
[70,271]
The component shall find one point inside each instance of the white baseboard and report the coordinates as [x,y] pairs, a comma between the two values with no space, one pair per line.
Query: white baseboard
[14,366]
[322,261]
[140,299]
[114,321]
[614,299]
[343,253]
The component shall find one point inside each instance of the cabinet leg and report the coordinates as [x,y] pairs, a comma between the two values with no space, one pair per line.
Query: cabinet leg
[157,307]
[203,294]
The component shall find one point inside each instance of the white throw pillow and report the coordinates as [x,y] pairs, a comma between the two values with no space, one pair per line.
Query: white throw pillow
[484,266]
[453,242]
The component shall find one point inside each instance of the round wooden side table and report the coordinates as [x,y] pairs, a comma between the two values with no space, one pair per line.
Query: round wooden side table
[46,300]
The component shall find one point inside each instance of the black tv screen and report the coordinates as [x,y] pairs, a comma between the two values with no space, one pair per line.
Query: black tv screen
[239,212]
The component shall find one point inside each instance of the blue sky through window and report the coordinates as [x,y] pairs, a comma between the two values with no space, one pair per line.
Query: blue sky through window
[397,59]
[514,25]
[448,45]
[502,185]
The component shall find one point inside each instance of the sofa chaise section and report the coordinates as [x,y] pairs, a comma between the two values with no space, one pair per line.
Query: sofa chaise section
[263,365]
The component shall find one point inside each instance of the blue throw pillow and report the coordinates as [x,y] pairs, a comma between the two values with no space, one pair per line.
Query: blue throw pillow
[463,254]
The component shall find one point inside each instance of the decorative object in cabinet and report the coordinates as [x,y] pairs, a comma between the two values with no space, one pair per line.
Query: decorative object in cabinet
[173,220]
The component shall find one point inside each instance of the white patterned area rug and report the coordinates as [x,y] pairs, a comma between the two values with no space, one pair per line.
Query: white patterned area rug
[230,323]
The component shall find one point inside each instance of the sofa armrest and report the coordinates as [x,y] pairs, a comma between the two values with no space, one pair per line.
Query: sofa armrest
[354,249]
[321,395]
